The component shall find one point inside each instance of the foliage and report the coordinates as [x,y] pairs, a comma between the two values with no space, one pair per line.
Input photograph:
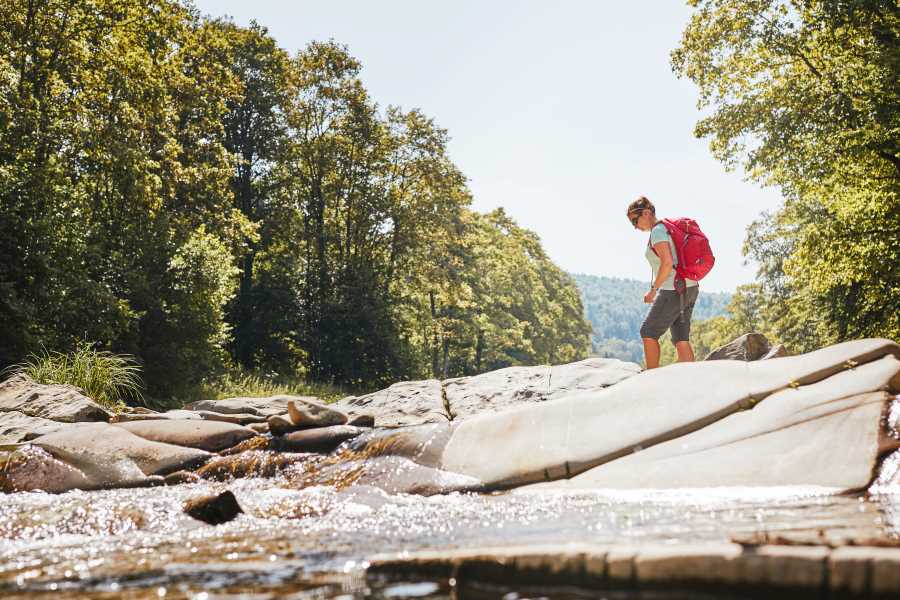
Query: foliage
[184,190]
[804,95]
[109,379]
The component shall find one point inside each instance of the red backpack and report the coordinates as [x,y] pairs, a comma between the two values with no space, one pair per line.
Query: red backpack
[695,257]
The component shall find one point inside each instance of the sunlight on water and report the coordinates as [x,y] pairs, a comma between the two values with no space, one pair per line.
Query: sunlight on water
[139,538]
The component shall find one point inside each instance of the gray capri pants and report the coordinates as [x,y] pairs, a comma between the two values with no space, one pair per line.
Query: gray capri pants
[666,313]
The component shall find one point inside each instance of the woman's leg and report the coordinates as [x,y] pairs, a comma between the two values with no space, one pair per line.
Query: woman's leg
[684,351]
[681,328]
[651,352]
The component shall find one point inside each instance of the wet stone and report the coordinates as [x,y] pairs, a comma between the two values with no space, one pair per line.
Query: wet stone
[306,414]
[323,439]
[280,424]
[214,510]
[179,477]
[362,420]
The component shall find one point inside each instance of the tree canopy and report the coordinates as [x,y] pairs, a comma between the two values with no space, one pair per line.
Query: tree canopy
[805,95]
[182,189]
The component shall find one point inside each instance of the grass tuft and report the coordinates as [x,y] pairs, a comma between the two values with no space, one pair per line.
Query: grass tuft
[109,379]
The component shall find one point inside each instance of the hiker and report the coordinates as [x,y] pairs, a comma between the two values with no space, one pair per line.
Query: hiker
[671,309]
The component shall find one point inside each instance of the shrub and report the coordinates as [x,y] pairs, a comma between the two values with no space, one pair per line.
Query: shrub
[109,379]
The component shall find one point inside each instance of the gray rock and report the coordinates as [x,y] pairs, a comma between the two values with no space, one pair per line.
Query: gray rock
[750,346]
[815,420]
[776,351]
[420,402]
[169,415]
[64,403]
[180,477]
[404,403]
[18,427]
[262,407]
[211,436]
[362,420]
[503,389]
[259,427]
[306,414]
[280,424]
[214,510]
[111,456]
[322,439]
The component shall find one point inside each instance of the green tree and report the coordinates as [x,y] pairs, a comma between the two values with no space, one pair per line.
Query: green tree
[804,95]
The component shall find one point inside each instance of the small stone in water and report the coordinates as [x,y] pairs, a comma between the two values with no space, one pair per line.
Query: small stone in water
[213,509]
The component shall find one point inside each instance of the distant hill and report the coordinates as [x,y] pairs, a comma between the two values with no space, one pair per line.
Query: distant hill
[615,307]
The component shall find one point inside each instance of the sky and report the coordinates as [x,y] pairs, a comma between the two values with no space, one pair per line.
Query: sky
[560,112]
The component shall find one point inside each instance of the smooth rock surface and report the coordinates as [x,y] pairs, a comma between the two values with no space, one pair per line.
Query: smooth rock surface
[824,434]
[503,389]
[110,455]
[280,424]
[263,407]
[404,403]
[18,427]
[428,401]
[558,440]
[306,414]
[322,439]
[64,403]
[211,436]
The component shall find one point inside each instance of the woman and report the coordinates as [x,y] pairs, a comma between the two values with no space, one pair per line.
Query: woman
[670,309]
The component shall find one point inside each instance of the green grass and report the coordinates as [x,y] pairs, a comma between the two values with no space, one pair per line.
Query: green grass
[251,384]
[109,379]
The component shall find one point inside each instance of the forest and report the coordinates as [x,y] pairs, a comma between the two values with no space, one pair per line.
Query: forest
[182,190]
[615,308]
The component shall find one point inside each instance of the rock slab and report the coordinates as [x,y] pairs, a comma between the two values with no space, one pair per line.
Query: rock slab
[64,403]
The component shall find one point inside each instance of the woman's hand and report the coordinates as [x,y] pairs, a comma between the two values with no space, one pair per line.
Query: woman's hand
[649,296]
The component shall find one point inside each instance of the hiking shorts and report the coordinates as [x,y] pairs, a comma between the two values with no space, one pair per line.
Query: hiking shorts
[666,313]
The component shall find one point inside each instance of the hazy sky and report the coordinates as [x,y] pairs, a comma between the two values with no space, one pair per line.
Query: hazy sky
[561,112]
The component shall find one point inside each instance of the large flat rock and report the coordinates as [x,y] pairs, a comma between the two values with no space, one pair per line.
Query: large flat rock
[432,401]
[402,404]
[261,407]
[64,403]
[783,409]
[211,436]
[825,434]
[110,456]
[18,427]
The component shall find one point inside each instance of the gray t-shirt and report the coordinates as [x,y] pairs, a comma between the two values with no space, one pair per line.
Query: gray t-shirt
[658,234]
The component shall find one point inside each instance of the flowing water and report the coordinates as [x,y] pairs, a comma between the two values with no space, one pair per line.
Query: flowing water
[314,542]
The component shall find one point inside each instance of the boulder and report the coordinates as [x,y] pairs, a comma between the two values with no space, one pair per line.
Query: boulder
[682,408]
[211,436]
[215,510]
[261,407]
[432,401]
[750,346]
[56,402]
[280,424]
[306,414]
[111,456]
[169,415]
[776,351]
[362,420]
[322,439]
[404,403]
[18,427]
[507,388]
[180,477]
[32,468]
